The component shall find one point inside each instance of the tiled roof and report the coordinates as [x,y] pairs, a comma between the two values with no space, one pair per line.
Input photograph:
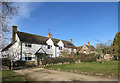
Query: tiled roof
[31,38]
[90,47]
[79,48]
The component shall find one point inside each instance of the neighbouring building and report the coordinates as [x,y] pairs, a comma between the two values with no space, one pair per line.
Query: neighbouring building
[86,49]
[30,47]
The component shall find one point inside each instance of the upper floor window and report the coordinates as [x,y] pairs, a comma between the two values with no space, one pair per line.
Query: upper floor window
[28,45]
[60,48]
[84,47]
[49,46]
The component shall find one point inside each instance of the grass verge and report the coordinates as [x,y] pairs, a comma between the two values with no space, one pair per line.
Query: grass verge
[11,76]
[108,68]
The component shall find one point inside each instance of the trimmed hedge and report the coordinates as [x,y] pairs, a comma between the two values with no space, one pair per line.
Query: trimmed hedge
[24,63]
[81,57]
[6,62]
[57,60]
[87,57]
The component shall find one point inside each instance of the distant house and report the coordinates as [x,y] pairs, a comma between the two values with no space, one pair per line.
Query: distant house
[86,49]
[30,47]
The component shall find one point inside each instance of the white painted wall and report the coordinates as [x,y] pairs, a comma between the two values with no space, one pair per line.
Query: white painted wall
[54,51]
[13,51]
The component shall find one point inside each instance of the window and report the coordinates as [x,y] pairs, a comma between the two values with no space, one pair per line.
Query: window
[28,56]
[84,47]
[49,46]
[69,44]
[28,45]
[60,48]
[84,51]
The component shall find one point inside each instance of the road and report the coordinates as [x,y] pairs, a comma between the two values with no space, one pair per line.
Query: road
[41,74]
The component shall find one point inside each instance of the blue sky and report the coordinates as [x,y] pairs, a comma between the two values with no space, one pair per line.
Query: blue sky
[81,21]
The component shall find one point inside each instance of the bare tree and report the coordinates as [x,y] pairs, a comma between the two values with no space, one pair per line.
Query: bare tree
[100,49]
[64,53]
[9,11]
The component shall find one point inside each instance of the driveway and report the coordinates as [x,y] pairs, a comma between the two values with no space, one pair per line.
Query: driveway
[41,74]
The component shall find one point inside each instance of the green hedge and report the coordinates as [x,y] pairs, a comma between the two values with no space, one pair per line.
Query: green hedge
[87,57]
[81,57]
[23,63]
[5,62]
[57,60]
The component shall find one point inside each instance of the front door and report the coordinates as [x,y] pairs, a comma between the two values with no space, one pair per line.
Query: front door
[38,60]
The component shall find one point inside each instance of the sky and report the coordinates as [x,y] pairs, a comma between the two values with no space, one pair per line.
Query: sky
[80,21]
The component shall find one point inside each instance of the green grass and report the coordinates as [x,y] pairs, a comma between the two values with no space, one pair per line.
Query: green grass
[107,68]
[11,76]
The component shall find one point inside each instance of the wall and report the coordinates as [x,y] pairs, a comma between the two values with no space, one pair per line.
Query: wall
[16,49]
[87,50]
[13,51]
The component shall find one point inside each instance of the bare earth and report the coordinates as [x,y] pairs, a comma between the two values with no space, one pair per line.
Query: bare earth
[41,74]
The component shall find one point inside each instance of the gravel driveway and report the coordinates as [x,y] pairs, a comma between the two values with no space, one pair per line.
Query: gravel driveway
[41,74]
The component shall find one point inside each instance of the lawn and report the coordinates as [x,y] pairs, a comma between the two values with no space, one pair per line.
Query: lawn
[11,76]
[107,68]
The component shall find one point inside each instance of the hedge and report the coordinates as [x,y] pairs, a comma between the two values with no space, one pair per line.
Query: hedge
[57,60]
[87,57]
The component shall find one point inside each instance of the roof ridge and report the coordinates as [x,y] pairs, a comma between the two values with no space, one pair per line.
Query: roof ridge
[41,39]
[41,36]
[32,34]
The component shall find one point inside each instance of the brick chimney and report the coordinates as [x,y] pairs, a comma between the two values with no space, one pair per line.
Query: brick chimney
[88,43]
[49,35]
[14,29]
[70,40]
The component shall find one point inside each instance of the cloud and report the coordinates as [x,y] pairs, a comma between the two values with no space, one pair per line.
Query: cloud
[24,9]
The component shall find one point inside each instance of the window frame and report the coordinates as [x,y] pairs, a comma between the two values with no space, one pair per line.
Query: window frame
[60,48]
[28,45]
[28,56]
[49,46]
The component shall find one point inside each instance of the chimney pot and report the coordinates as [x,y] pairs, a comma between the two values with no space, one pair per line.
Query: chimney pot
[49,35]
[70,40]
[88,43]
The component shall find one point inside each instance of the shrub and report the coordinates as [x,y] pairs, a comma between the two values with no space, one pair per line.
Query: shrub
[6,62]
[23,63]
[57,60]
[86,57]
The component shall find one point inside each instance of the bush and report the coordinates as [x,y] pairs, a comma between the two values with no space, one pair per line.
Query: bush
[57,60]
[86,57]
[23,63]
[6,62]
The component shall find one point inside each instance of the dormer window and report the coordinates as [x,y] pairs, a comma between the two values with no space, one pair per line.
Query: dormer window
[49,46]
[60,48]
[28,45]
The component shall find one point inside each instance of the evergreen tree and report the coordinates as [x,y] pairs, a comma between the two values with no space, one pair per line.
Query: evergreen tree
[116,43]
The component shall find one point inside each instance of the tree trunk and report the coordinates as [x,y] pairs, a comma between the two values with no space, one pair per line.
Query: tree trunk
[11,65]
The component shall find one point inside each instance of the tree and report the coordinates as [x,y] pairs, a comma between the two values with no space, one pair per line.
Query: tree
[116,43]
[72,54]
[65,53]
[9,11]
[100,49]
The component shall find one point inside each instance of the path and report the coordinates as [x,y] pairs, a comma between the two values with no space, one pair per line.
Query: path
[41,74]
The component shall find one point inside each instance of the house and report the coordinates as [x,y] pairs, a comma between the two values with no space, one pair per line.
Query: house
[86,49]
[30,47]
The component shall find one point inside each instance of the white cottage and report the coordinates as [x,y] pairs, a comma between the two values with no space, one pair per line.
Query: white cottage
[30,47]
